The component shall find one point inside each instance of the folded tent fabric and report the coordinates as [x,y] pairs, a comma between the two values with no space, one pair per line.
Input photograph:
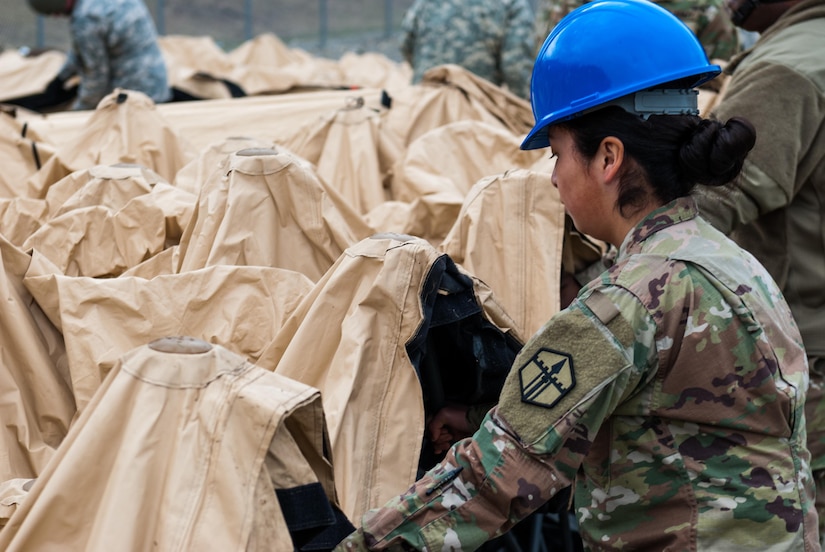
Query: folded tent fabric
[102,318]
[27,75]
[126,127]
[23,151]
[268,207]
[361,337]
[352,152]
[190,443]
[450,93]
[438,169]
[211,158]
[510,234]
[36,400]
[107,219]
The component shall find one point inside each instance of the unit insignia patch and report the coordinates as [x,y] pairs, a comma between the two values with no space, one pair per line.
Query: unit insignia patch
[546,378]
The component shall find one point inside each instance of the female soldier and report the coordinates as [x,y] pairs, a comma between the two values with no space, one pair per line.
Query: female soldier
[671,391]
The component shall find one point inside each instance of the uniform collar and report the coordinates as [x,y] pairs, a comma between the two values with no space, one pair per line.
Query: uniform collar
[678,210]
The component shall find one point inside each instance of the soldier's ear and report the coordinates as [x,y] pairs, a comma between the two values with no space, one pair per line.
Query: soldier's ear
[609,158]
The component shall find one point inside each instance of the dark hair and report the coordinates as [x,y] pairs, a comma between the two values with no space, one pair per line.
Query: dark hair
[672,153]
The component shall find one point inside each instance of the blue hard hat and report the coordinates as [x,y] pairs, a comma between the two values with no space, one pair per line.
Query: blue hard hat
[608,49]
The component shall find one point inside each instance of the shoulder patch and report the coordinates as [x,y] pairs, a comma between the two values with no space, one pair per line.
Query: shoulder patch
[546,377]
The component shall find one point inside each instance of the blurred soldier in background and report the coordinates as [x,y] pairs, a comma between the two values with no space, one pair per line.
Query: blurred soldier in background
[706,18]
[776,208]
[494,39]
[114,45]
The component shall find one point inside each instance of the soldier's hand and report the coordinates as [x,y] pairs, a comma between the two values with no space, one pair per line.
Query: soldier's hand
[448,426]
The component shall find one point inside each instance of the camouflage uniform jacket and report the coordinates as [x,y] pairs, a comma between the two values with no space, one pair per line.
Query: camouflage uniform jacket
[706,18]
[493,39]
[671,390]
[776,208]
[114,45]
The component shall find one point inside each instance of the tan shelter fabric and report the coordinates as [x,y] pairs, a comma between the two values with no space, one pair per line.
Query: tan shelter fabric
[23,76]
[125,128]
[264,50]
[195,64]
[23,152]
[178,442]
[108,219]
[265,65]
[269,208]
[210,159]
[348,338]
[12,493]
[20,217]
[101,319]
[112,186]
[202,123]
[352,152]
[510,234]
[445,163]
[454,156]
[373,70]
[119,186]
[450,93]
[36,400]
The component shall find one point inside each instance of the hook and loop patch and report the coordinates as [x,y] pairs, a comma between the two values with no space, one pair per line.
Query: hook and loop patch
[546,378]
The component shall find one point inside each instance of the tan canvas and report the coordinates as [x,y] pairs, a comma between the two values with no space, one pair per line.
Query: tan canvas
[201,123]
[348,338]
[449,93]
[23,152]
[195,65]
[20,217]
[37,404]
[269,208]
[102,319]
[352,152]
[519,212]
[125,128]
[178,437]
[209,159]
[445,163]
[373,70]
[23,76]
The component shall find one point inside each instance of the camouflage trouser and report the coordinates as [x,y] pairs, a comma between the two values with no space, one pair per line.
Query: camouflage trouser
[815,421]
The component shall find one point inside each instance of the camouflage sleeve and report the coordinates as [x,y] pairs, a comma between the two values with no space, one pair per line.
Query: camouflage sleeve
[717,33]
[519,48]
[408,25]
[709,22]
[563,385]
[89,37]
[550,12]
[69,68]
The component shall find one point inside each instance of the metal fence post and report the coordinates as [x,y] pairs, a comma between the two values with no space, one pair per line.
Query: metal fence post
[248,19]
[41,32]
[160,17]
[388,18]
[323,23]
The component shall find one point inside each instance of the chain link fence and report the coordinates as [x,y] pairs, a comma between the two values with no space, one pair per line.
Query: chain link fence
[324,27]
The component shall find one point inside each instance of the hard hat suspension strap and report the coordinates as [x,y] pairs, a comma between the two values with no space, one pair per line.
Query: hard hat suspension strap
[659,101]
